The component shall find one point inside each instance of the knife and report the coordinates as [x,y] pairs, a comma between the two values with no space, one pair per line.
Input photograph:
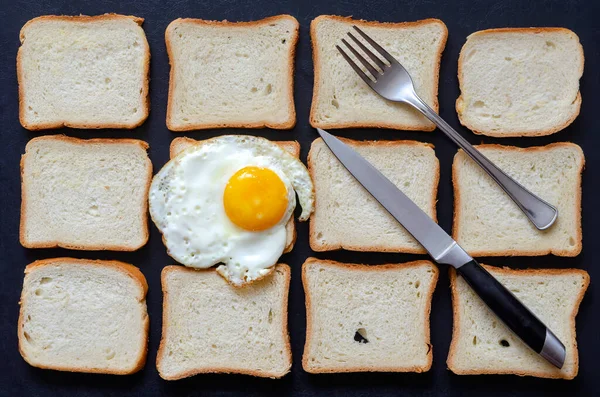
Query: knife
[444,250]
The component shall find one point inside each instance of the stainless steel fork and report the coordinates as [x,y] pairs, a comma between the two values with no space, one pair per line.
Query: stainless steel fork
[391,81]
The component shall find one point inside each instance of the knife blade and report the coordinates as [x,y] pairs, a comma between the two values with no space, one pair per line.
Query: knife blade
[444,250]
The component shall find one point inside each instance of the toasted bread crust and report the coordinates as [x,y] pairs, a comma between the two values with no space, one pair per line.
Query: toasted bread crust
[312,239]
[457,204]
[228,370]
[509,134]
[524,272]
[127,269]
[100,141]
[189,141]
[289,124]
[359,22]
[366,269]
[83,18]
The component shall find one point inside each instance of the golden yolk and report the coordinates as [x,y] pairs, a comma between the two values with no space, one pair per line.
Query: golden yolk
[255,198]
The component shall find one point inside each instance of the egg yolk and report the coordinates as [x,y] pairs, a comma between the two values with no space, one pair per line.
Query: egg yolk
[255,198]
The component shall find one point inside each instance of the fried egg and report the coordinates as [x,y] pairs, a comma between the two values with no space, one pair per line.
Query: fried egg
[227,200]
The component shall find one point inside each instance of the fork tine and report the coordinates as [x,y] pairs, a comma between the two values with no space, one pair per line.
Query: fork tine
[362,60]
[373,57]
[374,44]
[358,70]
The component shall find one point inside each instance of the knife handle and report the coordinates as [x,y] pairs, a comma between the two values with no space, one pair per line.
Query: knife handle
[513,313]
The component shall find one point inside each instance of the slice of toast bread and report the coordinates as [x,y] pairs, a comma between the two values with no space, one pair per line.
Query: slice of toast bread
[83,72]
[488,223]
[210,326]
[85,194]
[231,74]
[339,91]
[519,81]
[347,217]
[82,315]
[367,318]
[482,344]
[293,147]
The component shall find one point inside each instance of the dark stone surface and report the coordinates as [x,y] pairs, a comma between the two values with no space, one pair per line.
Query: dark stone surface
[462,18]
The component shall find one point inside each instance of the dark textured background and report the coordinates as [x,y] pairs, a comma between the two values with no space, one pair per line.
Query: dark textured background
[462,18]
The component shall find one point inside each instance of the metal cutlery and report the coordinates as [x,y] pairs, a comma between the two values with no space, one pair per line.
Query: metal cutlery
[391,80]
[443,249]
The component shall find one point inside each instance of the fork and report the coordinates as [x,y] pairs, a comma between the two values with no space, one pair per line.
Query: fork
[392,82]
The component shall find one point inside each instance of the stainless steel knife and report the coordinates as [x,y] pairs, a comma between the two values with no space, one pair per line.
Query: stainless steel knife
[443,249]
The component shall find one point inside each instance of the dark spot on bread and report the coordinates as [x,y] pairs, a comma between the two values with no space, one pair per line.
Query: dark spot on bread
[360,335]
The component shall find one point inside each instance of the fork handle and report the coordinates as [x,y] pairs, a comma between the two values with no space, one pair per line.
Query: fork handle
[539,212]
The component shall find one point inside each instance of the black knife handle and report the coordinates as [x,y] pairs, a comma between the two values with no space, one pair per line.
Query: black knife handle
[505,305]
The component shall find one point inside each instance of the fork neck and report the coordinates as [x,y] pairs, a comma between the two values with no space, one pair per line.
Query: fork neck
[414,100]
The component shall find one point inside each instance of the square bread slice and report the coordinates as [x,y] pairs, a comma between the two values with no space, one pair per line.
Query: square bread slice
[488,223]
[341,99]
[231,74]
[293,147]
[82,315]
[83,72]
[482,344]
[85,194]
[519,81]
[364,318]
[347,217]
[210,326]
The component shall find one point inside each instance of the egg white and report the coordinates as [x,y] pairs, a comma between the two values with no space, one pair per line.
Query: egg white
[186,203]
